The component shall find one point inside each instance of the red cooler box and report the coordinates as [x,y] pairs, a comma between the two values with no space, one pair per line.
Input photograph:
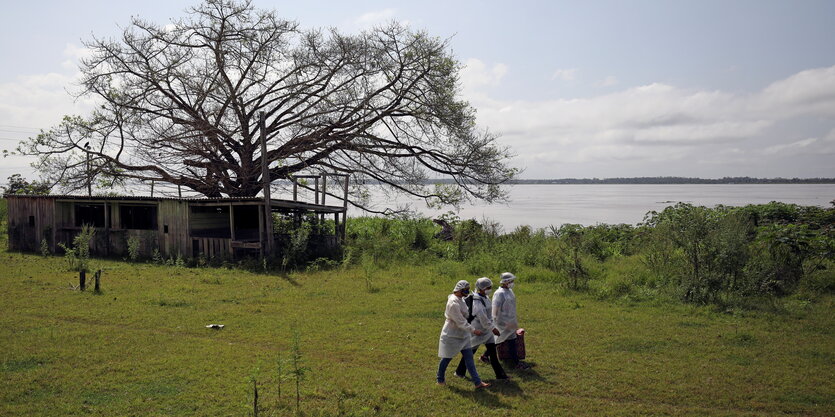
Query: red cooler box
[502,348]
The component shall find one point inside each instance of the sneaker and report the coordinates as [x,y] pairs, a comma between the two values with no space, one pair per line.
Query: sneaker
[484,359]
[459,376]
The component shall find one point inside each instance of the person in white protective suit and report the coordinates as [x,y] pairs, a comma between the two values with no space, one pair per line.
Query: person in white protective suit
[482,319]
[504,315]
[455,335]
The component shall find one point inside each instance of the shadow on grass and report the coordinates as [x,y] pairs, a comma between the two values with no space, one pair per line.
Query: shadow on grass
[507,388]
[483,397]
[528,375]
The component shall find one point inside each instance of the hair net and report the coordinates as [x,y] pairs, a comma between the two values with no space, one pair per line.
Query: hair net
[507,278]
[483,283]
[461,285]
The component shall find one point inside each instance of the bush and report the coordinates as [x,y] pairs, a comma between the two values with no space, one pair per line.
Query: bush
[133,243]
[78,257]
[782,250]
[45,248]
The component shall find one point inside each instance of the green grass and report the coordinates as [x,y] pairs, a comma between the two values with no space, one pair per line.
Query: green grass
[141,347]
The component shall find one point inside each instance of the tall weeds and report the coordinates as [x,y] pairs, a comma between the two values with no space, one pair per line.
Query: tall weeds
[697,254]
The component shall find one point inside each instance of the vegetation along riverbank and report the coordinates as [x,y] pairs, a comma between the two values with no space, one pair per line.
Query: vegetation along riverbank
[699,311]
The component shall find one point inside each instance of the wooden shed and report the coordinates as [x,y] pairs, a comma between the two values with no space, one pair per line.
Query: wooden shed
[184,227]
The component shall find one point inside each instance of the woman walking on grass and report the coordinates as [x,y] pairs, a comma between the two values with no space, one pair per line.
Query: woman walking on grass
[482,313]
[504,315]
[455,335]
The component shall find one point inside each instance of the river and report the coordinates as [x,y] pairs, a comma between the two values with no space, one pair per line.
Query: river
[555,204]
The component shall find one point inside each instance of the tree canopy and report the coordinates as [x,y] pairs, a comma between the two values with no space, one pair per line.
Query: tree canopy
[180,103]
[16,184]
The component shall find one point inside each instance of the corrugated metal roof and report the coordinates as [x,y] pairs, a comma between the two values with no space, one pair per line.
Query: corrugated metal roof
[287,204]
[132,197]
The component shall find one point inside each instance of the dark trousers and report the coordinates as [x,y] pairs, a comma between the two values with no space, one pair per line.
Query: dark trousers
[494,362]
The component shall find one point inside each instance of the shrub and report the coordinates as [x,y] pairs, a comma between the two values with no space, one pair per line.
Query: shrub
[157,257]
[779,267]
[45,248]
[294,251]
[133,243]
[78,257]
[569,259]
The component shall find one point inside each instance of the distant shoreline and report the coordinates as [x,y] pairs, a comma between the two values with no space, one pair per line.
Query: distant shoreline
[661,181]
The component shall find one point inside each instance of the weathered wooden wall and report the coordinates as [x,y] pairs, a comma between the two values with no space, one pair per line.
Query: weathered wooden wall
[212,247]
[174,215]
[30,221]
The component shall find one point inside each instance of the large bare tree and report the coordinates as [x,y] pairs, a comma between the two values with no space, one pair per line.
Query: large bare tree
[180,104]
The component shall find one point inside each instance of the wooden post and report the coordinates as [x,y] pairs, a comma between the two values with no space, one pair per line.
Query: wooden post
[345,194]
[106,229]
[255,398]
[295,189]
[324,193]
[265,176]
[179,191]
[152,188]
[232,221]
[261,232]
[89,174]
[345,208]
[53,245]
[316,189]
[324,187]
[82,280]
[97,276]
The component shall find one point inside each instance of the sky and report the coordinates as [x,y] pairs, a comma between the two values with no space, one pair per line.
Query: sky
[578,89]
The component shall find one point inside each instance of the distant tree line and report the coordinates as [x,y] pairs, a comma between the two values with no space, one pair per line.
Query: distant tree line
[679,180]
[662,180]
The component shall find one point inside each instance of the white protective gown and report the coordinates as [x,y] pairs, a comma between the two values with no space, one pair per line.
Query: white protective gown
[504,314]
[455,336]
[483,320]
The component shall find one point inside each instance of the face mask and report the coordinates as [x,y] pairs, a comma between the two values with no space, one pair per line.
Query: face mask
[465,291]
[510,286]
[487,292]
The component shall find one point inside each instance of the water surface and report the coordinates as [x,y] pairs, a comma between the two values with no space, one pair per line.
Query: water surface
[541,205]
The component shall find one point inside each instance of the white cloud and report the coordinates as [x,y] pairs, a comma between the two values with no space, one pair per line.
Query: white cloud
[373,18]
[74,54]
[39,101]
[657,122]
[807,92]
[569,74]
[809,146]
[607,82]
[790,147]
[476,75]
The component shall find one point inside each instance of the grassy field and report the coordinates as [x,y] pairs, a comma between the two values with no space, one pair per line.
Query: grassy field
[141,348]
